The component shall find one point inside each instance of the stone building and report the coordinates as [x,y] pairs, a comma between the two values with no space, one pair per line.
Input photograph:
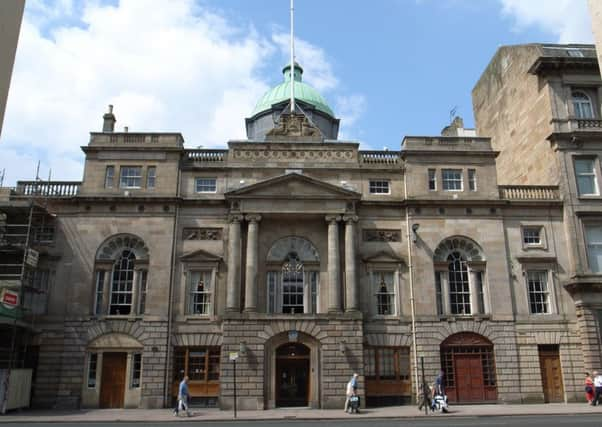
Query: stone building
[305,259]
[541,106]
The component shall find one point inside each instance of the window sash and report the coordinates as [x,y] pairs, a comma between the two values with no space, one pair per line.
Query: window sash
[532,235]
[92,366]
[384,292]
[582,106]
[99,293]
[585,171]
[136,370]
[459,285]
[432,179]
[142,282]
[122,284]
[200,297]
[109,176]
[151,176]
[539,296]
[379,187]
[472,179]
[302,297]
[593,235]
[452,179]
[131,177]
[206,185]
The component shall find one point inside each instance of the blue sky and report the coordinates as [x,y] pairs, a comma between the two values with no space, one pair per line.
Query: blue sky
[388,68]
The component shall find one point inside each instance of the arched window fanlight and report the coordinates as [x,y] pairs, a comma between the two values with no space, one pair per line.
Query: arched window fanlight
[582,105]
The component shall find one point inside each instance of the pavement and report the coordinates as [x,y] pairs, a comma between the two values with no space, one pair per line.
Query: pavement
[202,414]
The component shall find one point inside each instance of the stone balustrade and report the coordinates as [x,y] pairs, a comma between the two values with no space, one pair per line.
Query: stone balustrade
[529,192]
[48,188]
[207,156]
[380,157]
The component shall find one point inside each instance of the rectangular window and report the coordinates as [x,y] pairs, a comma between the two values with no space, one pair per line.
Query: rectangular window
[432,176]
[387,363]
[44,234]
[151,175]
[92,363]
[206,185]
[481,293]
[122,285]
[585,172]
[472,179]
[136,369]
[384,288]
[313,282]
[98,302]
[142,279]
[439,294]
[272,281]
[532,236]
[131,177]
[452,179]
[537,285]
[200,364]
[200,292]
[379,186]
[593,234]
[109,176]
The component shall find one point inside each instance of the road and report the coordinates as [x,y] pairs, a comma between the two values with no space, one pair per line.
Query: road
[432,421]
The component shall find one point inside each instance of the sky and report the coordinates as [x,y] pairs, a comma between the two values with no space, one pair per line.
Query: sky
[388,68]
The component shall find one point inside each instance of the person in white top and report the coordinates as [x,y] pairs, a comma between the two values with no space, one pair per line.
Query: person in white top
[351,387]
[597,387]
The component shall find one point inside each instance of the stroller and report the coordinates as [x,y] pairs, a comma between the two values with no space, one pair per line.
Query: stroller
[439,403]
[354,404]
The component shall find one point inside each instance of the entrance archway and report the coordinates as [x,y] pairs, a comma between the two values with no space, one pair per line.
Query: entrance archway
[469,366]
[292,375]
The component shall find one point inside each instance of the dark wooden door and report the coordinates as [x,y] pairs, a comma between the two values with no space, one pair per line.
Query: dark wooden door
[551,375]
[292,382]
[112,383]
[469,378]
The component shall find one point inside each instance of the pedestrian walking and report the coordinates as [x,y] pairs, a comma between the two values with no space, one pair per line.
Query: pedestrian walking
[351,390]
[183,395]
[597,387]
[589,389]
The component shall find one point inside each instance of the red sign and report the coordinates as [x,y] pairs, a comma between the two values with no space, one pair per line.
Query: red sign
[10,299]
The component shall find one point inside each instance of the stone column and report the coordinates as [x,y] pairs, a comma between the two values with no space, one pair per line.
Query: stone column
[351,289]
[233,284]
[252,262]
[475,305]
[334,274]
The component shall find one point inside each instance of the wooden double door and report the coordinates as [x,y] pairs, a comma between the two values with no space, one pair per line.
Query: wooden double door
[112,383]
[551,373]
[469,378]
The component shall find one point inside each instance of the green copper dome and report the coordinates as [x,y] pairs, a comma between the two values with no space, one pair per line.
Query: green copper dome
[282,92]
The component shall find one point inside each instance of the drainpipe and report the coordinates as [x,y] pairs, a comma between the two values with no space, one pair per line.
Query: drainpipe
[170,303]
[411,274]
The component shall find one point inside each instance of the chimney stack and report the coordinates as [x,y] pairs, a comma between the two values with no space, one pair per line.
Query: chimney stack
[108,121]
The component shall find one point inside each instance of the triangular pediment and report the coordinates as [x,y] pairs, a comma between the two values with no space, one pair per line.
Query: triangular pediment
[383,257]
[200,256]
[294,186]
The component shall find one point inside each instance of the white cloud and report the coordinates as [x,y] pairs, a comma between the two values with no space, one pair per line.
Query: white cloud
[567,20]
[173,67]
[349,108]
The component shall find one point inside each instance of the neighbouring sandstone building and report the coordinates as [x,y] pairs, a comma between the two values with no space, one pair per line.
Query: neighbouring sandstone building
[305,259]
[541,106]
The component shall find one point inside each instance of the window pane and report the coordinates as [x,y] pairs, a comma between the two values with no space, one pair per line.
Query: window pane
[385,292]
[142,275]
[200,292]
[131,177]
[379,187]
[369,363]
[92,363]
[292,285]
[472,179]
[532,235]
[459,288]
[100,278]
[594,247]
[386,362]
[538,292]
[151,176]
[586,176]
[452,179]
[432,177]
[136,369]
[122,284]
[206,185]
[196,364]
[109,176]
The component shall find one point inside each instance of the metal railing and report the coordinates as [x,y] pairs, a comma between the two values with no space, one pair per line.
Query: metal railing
[48,188]
[529,192]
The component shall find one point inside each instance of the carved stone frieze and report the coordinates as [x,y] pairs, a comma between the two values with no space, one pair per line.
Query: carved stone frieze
[315,155]
[382,235]
[192,233]
[294,125]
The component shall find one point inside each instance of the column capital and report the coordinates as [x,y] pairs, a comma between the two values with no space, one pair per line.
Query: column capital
[350,218]
[255,218]
[235,218]
[332,218]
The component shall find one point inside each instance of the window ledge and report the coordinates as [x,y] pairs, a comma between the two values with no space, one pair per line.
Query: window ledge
[456,317]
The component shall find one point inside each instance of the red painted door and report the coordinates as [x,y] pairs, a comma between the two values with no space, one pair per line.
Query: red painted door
[469,378]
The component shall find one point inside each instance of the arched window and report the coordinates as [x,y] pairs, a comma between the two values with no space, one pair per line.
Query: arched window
[582,105]
[122,283]
[292,277]
[121,276]
[459,277]
[459,288]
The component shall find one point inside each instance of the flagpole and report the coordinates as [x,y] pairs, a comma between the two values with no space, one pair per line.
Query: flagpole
[292,70]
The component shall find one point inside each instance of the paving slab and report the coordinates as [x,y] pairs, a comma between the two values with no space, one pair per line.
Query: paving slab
[161,415]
